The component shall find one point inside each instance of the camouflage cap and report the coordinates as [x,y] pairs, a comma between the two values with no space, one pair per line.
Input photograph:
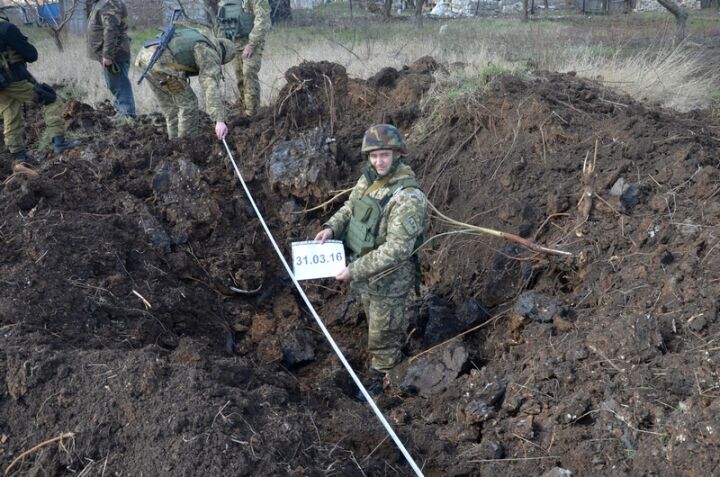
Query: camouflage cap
[383,136]
[227,50]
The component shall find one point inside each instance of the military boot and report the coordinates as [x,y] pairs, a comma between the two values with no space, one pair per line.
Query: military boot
[23,156]
[60,145]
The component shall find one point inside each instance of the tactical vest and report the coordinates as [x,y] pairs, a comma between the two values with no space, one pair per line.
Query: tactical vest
[182,47]
[233,21]
[361,234]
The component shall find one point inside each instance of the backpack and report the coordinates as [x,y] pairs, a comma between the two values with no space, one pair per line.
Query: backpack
[233,21]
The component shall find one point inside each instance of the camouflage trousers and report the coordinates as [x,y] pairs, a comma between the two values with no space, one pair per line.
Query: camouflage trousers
[178,104]
[11,100]
[246,73]
[387,329]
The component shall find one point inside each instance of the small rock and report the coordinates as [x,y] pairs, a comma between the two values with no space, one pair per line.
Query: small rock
[431,374]
[537,307]
[630,197]
[619,187]
[558,472]
[297,348]
[697,323]
[524,428]
[490,449]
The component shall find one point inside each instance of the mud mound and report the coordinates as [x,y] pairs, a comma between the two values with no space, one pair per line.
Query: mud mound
[142,309]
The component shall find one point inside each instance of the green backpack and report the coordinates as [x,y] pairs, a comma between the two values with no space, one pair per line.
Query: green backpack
[233,21]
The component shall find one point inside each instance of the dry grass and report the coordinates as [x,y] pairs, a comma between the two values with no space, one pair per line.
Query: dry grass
[622,55]
[675,77]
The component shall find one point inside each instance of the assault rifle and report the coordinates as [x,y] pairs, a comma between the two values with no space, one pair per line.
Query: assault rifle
[161,42]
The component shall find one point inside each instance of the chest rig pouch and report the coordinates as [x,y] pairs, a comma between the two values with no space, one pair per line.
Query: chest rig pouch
[362,232]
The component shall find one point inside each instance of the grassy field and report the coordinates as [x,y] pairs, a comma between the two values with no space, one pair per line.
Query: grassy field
[630,52]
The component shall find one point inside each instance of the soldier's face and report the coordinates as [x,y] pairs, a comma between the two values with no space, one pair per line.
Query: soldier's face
[381,160]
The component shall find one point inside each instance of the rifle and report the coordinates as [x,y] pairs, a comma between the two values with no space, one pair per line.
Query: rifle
[161,43]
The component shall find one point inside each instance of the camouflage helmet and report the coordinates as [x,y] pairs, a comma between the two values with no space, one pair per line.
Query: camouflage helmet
[227,50]
[383,136]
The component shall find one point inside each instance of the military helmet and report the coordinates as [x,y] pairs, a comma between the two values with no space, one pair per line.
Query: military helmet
[383,136]
[4,14]
[227,50]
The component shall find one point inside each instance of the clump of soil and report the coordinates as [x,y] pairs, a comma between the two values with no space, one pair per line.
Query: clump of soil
[121,320]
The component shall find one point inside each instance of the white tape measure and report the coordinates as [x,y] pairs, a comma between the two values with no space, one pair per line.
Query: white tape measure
[312,260]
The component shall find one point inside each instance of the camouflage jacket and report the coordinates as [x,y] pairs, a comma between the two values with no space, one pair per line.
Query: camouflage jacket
[261,26]
[388,270]
[209,73]
[107,31]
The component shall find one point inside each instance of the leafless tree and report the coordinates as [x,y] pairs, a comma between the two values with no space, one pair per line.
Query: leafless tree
[418,12]
[53,25]
[680,15]
[387,8]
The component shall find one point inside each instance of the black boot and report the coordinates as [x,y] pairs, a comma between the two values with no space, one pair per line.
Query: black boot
[374,386]
[60,145]
[23,156]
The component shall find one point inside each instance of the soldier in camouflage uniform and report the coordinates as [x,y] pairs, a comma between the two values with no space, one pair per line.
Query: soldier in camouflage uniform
[189,53]
[18,87]
[246,22]
[109,44]
[381,223]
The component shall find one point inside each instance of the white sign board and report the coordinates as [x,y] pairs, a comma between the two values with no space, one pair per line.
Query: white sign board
[313,260]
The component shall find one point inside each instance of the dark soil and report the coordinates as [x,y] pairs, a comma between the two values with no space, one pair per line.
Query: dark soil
[118,322]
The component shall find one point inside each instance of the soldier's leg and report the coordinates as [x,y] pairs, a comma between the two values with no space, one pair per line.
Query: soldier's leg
[387,330]
[188,113]
[168,108]
[11,101]
[119,85]
[54,124]
[238,66]
[251,70]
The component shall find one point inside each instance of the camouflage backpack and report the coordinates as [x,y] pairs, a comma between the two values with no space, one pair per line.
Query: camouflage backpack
[233,21]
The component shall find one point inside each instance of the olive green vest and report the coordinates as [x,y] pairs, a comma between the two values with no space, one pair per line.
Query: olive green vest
[182,46]
[233,21]
[361,234]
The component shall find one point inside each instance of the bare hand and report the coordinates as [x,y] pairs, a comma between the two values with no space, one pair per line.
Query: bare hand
[248,51]
[323,235]
[344,275]
[221,130]
[107,62]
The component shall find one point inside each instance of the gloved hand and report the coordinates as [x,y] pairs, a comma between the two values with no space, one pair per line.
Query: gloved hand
[221,130]
[44,94]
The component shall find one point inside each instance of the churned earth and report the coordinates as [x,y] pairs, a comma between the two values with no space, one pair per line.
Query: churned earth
[147,326]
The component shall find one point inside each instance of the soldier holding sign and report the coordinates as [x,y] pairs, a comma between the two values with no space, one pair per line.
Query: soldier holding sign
[381,223]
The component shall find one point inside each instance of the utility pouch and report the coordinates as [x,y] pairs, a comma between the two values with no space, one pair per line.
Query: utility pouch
[360,234]
[44,94]
[233,21]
